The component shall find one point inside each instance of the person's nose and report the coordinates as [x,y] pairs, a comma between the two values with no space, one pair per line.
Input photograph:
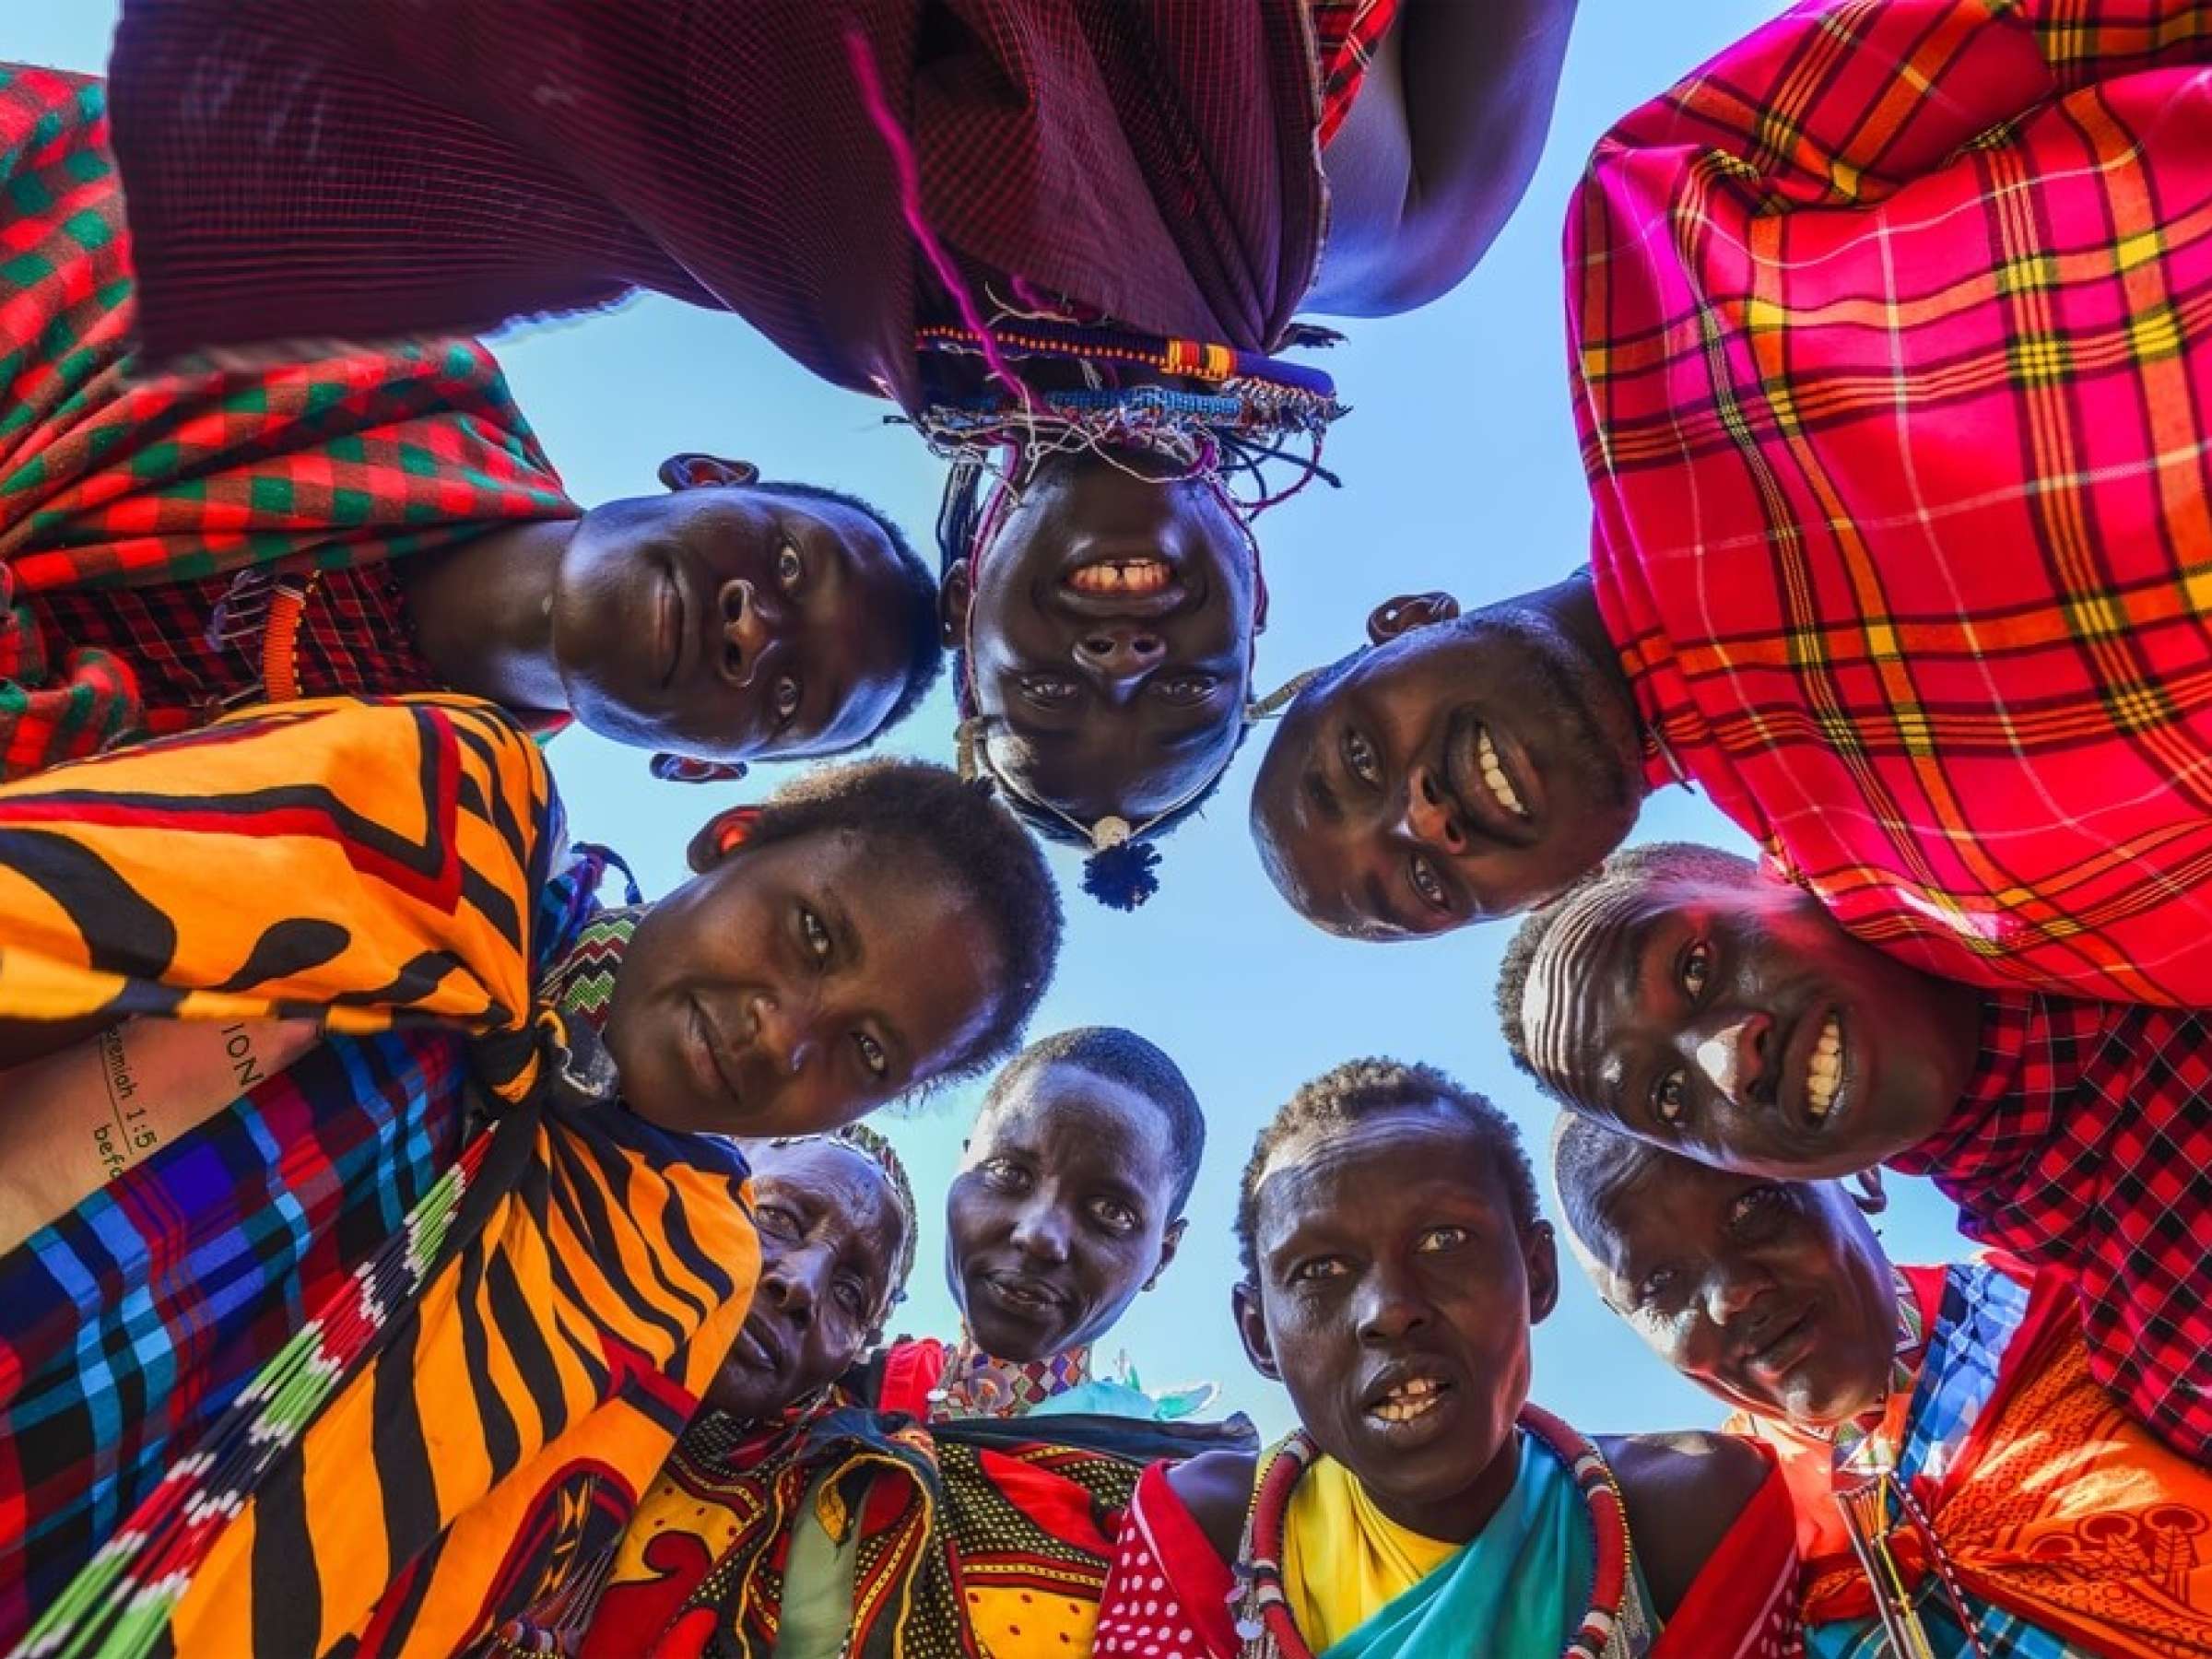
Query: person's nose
[793,1285]
[1040,1233]
[744,631]
[1120,653]
[1389,1308]
[1430,816]
[1729,1295]
[784,1031]
[1735,1053]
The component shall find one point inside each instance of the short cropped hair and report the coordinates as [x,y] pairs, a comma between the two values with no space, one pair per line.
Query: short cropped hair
[1122,1056]
[1590,1163]
[1355,1089]
[924,649]
[925,812]
[1632,866]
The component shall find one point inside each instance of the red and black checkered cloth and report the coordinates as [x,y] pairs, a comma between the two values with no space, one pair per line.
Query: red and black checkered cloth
[2085,1140]
[367,169]
[170,486]
[1893,365]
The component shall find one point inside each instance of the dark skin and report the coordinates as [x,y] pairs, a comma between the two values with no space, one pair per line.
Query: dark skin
[1109,627]
[1772,1296]
[831,1233]
[1374,811]
[1438,149]
[1058,1217]
[1389,1255]
[722,621]
[1692,1014]
[782,991]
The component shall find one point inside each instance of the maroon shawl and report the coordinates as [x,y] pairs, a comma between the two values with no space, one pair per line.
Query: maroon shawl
[302,169]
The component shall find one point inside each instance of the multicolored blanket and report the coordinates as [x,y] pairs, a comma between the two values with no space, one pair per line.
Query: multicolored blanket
[1892,353]
[473,1411]
[2070,1531]
[171,485]
[1148,160]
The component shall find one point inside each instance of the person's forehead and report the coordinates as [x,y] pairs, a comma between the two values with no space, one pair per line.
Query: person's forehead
[1135,760]
[1426,1146]
[1078,1117]
[1576,981]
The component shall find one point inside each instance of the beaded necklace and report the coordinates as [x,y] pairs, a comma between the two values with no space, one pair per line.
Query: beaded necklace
[1263,1605]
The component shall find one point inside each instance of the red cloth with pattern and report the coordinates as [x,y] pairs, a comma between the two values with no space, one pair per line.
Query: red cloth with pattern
[1347,35]
[133,508]
[1148,160]
[1892,333]
[1168,1594]
[2085,1140]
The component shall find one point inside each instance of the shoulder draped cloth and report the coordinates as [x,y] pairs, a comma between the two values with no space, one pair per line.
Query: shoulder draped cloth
[473,1416]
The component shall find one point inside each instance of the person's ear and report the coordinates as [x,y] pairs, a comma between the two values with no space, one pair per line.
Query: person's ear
[954,596]
[1252,1327]
[1407,612]
[702,472]
[719,836]
[1869,1196]
[1167,1243]
[1540,1250]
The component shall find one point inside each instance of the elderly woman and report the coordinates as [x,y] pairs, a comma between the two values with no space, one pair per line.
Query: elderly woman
[507,1324]
[999,1455]
[1963,1485]
[1395,1262]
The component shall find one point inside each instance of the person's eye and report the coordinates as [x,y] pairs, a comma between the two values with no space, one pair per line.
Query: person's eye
[1047,690]
[1119,1217]
[1428,883]
[1360,760]
[1003,1172]
[1188,688]
[1654,1286]
[776,1222]
[815,936]
[1697,969]
[850,1299]
[787,697]
[872,1055]
[791,570]
[1758,1209]
[1670,1099]
[1320,1268]
[1443,1238]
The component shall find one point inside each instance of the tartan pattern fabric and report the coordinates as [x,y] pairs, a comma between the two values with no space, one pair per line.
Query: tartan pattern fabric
[355,638]
[135,1320]
[112,479]
[1892,350]
[1347,34]
[2085,1140]
[1159,167]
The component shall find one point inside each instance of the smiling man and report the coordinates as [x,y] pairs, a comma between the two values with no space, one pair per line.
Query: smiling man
[1971,1382]
[382,521]
[1394,1261]
[1900,553]
[1687,998]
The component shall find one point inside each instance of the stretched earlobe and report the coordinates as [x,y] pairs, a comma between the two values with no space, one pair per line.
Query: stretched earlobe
[683,769]
[693,471]
[954,596]
[1870,1196]
[1406,612]
[722,835]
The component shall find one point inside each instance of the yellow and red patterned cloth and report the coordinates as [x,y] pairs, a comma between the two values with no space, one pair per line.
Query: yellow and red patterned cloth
[1892,358]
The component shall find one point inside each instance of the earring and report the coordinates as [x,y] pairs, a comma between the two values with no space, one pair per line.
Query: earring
[683,769]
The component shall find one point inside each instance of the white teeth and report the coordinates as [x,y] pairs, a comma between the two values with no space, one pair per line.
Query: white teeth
[1122,576]
[1493,773]
[1824,1071]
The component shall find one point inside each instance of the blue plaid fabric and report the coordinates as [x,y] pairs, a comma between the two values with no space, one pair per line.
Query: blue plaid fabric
[135,1321]
[1983,1311]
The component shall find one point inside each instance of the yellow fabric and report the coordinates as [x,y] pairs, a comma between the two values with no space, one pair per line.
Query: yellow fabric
[1344,1561]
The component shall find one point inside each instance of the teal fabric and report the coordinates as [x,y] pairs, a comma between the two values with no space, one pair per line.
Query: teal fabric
[816,1614]
[1525,1583]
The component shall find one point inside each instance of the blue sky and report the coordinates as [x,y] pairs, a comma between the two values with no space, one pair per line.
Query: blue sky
[1460,472]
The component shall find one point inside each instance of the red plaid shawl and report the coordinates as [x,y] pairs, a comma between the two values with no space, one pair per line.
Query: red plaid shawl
[2085,1140]
[362,168]
[168,485]
[1893,334]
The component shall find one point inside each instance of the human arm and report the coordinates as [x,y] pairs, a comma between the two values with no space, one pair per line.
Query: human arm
[1215,1487]
[1438,149]
[1684,1494]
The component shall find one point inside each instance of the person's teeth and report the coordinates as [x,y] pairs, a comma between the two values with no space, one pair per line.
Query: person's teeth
[1493,775]
[1824,1071]
[1404,1401]
[1121,576]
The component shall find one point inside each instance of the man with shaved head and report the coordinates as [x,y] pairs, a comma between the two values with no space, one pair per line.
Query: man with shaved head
[1687,998]
[2063,1528]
